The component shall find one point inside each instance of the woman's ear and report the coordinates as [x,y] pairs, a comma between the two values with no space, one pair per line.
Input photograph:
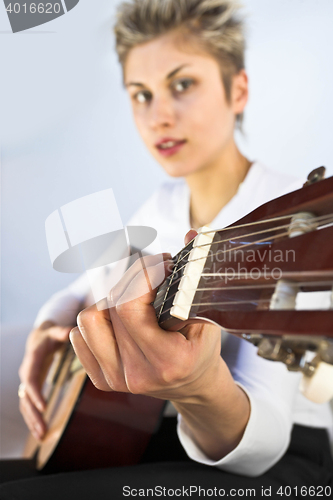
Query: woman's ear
[239,92]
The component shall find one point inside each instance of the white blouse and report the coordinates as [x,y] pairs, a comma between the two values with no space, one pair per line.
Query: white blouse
[276,403]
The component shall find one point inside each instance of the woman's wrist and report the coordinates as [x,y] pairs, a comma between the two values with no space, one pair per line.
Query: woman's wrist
[218,418]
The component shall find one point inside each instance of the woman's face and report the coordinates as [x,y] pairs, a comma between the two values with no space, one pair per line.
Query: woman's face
[179,103]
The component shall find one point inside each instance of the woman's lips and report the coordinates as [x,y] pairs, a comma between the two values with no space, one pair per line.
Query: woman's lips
[170,147]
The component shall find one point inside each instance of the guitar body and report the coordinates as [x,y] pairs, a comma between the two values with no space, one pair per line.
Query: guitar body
[89,428]
[106,429]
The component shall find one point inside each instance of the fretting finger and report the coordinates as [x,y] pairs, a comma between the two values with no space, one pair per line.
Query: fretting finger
[140,265]
[88,360]
[190,236]
[96,329]
[136,366]
[135,310]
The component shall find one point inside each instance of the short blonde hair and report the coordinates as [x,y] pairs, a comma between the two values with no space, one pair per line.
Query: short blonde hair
[216,24]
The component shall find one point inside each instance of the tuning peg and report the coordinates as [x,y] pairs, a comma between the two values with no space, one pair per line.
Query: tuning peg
[315,175]
[317,385]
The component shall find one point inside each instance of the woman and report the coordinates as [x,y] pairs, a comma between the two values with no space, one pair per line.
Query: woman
[183,67]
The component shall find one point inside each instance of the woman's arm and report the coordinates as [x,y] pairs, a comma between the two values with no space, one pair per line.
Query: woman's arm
[271,390]
[216,423]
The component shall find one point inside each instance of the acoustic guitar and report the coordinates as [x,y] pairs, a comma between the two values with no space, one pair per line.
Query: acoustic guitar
[246,278]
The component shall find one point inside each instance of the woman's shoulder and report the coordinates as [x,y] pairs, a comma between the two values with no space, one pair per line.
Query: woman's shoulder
[274,182]
[261,185]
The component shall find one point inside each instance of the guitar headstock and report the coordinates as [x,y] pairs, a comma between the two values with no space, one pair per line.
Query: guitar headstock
[258,278]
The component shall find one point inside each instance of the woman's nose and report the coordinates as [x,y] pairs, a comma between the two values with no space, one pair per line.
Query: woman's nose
[162,113]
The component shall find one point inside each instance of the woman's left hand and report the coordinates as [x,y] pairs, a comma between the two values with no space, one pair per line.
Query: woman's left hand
[123,349]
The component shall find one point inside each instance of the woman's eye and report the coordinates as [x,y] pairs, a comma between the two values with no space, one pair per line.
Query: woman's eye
[142,96]
[181,85]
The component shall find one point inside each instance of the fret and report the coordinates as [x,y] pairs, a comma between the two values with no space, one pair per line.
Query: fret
[170,285]
[192,271]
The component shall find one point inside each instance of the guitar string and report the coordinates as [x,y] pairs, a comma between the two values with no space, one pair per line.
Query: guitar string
[229,228]
[320,219]
[244,235]
[223,252]
[205,304]
[161,304]
[223,241]
[227,251]
[200,258]
[275,228]
[230,303]
[262,221]
[170,279]
[242,246]
[257,286]
[249,301]
[242,287]
[263,240]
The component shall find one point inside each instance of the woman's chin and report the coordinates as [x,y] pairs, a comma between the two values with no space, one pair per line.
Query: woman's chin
[177,169]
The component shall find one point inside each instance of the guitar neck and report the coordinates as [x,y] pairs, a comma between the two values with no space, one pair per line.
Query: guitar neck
[257,266]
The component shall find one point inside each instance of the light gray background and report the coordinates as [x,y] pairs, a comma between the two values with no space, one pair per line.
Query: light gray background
[66,131]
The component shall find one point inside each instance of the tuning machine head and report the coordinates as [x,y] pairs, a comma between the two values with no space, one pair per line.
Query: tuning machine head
[318,174]
[295,352]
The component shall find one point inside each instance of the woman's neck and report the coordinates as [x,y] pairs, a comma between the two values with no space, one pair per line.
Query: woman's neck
[213,186]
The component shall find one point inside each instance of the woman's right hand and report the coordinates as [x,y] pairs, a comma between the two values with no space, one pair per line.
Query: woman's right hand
[41,346]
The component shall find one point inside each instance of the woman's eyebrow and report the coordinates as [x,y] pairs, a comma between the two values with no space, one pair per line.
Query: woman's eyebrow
[169,75]
[175,71]
[136,84]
